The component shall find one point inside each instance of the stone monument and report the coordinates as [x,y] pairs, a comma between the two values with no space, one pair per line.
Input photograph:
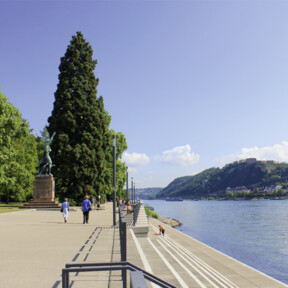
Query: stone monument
[44,186]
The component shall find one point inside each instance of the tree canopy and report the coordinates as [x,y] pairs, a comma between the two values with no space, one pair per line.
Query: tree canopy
[18,154]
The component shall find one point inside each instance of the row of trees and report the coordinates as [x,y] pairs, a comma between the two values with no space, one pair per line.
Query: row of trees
[82,150]
[255,194]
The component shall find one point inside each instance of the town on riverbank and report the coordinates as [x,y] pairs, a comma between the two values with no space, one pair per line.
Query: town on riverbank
[248,179]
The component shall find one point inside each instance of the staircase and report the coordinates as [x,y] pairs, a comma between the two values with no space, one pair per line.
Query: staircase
[40,204]
[141,226]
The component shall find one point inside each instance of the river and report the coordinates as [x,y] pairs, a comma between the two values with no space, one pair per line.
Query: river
[253,232]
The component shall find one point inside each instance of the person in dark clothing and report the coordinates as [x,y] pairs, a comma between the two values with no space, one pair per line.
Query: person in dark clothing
[86,203]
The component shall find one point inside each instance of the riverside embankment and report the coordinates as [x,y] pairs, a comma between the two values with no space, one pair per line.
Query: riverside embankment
[36,245]
[253,232]
[170,221]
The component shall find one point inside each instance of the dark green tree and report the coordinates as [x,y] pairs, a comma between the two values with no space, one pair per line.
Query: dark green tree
[81,125]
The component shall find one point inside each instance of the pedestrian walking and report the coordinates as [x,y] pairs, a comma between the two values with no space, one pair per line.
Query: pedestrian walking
[99,205]
[66,209]
[93,204]
[129,210]
[86,203]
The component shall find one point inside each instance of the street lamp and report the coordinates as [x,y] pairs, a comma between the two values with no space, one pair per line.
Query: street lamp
[127,192]
[114,180]
[131,194]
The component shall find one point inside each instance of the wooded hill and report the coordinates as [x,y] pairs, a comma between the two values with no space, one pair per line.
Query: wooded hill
[214,181]
[147,193]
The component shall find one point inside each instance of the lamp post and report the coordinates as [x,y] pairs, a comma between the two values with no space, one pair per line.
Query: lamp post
[114,180]
[127,192]
[131,194]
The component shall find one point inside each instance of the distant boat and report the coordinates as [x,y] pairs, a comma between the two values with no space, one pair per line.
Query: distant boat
[174,199]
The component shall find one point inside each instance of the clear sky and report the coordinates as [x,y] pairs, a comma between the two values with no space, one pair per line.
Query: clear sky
[191,84]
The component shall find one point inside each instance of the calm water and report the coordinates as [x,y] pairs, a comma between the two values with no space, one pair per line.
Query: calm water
[253,232]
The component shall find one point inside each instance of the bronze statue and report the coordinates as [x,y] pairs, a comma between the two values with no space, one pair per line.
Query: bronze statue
[45,164]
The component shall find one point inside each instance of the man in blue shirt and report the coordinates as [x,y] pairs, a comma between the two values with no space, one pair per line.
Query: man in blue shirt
[85,208]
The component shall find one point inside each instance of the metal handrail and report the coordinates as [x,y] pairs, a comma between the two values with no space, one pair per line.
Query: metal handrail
[136,208]
[112,266]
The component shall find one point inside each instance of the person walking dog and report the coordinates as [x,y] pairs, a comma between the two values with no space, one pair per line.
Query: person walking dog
[86,203]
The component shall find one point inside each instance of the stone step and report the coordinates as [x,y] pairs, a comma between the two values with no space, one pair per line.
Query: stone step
[141,226]
[41,204]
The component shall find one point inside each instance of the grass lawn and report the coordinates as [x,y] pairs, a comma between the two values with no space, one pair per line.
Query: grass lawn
[10,207]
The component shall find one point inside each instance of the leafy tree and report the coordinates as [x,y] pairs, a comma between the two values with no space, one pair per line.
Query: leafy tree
[280,192]
[82,141]
[18,154]
[230,195]
[40,147]
[120,168]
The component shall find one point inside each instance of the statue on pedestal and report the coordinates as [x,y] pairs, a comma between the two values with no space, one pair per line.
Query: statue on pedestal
[45,164]
[43,187]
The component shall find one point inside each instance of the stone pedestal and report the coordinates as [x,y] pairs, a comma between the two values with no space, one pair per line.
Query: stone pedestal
[43,193]
[43,188]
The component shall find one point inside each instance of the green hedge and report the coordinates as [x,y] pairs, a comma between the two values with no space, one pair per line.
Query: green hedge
[151,213]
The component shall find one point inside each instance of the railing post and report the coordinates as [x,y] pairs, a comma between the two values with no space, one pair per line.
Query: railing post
[123,244]
[65,279]
[124,237]
[124,252]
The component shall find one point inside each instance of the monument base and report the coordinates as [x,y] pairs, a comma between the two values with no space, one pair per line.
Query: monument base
[43,193]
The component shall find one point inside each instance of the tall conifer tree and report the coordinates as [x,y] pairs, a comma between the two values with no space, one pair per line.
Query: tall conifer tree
[81,125]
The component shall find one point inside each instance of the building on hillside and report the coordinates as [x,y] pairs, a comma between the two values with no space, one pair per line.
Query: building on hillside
[270,189]
[250,161]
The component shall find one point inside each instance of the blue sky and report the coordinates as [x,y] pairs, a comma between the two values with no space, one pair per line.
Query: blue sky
[191,84]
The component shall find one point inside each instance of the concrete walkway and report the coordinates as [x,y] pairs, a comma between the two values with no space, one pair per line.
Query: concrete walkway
[35,246]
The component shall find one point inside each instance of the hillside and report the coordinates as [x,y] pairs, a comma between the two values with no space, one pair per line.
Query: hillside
[214,181]
[147,193]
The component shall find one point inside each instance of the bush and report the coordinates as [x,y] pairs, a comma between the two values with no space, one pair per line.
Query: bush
[150,213]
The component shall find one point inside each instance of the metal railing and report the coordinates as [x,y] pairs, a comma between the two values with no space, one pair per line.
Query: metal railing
[123,265]
[112,266]
[136,208]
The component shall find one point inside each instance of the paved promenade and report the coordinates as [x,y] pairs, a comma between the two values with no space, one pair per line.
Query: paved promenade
[36,245]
